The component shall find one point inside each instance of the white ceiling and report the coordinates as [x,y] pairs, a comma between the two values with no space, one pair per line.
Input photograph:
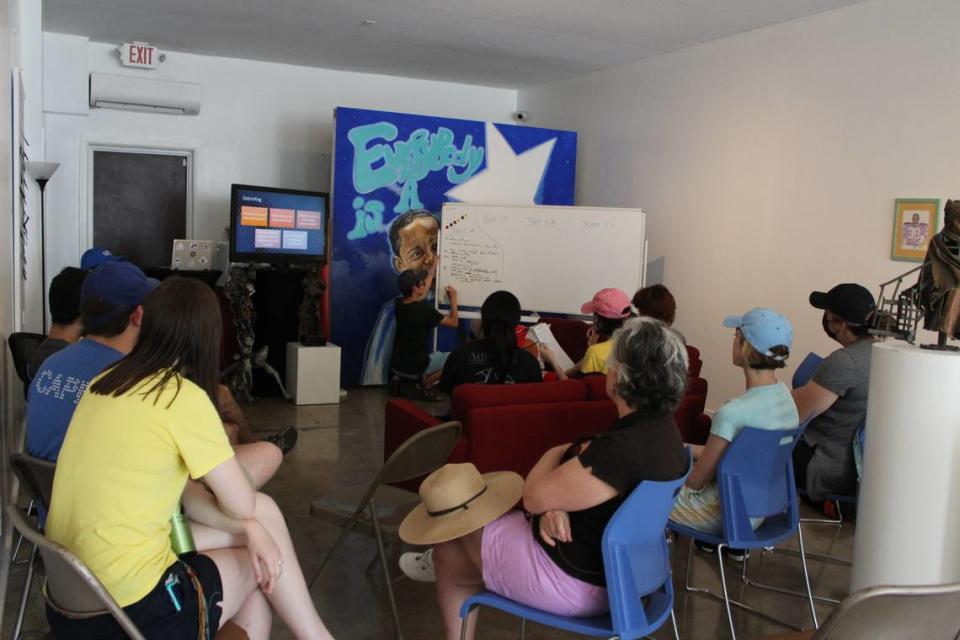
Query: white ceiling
[504,43]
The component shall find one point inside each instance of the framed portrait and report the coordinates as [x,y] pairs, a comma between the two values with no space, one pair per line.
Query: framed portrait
[915,221]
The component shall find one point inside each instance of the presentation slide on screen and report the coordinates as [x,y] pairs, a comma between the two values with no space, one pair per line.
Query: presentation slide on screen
[279,223]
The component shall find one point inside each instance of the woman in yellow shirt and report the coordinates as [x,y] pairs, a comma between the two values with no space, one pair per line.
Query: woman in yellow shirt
[609,307]
[139,431]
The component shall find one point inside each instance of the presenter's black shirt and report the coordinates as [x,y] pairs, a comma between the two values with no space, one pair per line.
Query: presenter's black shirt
[473,363]
[636,448]
[415,321]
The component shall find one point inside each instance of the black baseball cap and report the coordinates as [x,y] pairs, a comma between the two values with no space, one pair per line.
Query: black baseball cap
[852,302]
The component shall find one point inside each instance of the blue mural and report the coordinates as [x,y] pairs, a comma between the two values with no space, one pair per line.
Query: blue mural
[392,173]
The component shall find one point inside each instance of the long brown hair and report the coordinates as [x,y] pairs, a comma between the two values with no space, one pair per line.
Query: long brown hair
[180,336]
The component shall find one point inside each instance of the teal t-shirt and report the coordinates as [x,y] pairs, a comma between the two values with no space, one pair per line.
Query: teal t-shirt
[768,407]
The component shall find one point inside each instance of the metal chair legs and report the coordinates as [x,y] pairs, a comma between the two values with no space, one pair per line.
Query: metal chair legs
[31,509]
[725,598]
[28,582]
[386,568]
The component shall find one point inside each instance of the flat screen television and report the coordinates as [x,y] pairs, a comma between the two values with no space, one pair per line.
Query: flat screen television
[280,226]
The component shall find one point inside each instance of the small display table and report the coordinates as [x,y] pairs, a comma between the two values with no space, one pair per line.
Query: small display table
[313,373]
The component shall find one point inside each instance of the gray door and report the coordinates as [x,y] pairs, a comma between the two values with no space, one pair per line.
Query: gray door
[139,205]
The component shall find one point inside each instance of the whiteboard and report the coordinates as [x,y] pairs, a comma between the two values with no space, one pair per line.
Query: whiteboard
[552,258]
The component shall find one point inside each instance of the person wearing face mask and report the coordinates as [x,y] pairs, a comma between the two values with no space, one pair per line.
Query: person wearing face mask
[835,398]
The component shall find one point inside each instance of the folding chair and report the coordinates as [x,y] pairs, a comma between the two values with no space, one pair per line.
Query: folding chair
[22,345]
[379,509]
[71,586]
[37,476]
[755,480]
[636,563]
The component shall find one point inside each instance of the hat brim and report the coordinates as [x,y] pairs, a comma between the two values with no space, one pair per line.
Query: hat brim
[733,322]
[818,300]
[504,489]
[587,308]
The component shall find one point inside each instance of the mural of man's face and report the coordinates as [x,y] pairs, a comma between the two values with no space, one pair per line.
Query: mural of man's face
[417,248]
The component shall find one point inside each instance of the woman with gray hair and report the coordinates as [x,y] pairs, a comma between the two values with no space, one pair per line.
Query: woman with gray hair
[550,557]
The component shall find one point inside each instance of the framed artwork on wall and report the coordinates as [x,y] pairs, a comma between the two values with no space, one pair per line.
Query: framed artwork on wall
[915,221]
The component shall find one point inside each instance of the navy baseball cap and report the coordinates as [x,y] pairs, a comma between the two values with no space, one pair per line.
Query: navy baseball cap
[764,329]
[119,285]
[850,301]
[96,256]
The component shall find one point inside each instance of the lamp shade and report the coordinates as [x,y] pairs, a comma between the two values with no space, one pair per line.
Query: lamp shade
[41,170]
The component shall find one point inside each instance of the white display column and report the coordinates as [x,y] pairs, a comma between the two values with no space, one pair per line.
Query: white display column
[908,517]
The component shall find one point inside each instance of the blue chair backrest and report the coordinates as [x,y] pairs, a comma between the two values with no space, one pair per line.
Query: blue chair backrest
[805,371]
[755,480]
[636,559]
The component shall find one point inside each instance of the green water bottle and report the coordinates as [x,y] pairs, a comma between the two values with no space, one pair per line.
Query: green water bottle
[181,539]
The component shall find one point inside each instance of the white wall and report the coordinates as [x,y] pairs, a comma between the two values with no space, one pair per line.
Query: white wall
[768,163]
[260,123]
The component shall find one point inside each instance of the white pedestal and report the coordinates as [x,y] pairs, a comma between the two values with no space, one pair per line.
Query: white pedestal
[908,516]
[313,373]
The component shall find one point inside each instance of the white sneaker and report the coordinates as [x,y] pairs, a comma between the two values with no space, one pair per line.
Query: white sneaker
[418,566]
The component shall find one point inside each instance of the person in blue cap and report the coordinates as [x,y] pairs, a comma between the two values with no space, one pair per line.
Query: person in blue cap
[95,256]
[111,300]
[761,344]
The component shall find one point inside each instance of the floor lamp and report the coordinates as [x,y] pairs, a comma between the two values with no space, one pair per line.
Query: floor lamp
[42,172]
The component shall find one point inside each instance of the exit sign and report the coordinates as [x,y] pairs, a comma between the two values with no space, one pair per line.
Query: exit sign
[140,54]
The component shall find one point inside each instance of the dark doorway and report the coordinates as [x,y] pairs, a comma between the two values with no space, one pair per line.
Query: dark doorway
[139,204]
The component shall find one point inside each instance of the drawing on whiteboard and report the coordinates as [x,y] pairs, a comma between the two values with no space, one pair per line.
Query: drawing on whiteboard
[472,255]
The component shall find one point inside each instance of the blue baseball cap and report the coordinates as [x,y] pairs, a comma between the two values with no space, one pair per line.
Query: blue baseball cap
[119,285]
[96,256]
[764,329]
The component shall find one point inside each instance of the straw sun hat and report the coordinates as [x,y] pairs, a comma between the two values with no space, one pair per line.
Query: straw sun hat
[457,500]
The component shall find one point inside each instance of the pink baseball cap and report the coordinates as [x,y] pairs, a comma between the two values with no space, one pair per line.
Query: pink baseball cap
[609,303]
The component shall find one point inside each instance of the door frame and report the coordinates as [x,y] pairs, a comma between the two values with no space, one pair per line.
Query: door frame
[187,151]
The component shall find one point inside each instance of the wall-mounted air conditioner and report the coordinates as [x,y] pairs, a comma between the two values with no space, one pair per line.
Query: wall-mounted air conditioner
[132,93]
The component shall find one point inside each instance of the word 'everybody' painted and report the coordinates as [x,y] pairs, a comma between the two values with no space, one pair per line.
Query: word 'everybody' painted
[378,164]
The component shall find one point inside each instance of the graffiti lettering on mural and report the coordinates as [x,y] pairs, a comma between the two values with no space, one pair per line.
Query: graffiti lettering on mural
[377,165]
[369,218]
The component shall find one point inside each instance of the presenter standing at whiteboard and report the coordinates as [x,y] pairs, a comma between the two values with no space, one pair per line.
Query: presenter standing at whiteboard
[413,242]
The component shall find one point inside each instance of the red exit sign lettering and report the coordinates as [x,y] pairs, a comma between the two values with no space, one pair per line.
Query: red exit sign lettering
[139,54]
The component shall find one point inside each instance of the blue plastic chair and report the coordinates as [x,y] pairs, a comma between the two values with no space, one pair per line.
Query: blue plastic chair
[755,480]
[636,562]
[805,371]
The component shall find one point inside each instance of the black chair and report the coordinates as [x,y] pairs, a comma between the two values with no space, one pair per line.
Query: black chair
[22,345]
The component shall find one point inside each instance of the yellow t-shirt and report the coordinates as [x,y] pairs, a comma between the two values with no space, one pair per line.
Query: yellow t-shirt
[595,359]
[120,475]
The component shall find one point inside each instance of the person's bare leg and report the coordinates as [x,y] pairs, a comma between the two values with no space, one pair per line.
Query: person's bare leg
[260,460]
[254,616]
[459,576]
[239,582]
[289,598]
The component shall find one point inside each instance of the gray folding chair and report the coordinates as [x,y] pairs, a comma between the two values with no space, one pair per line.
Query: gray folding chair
[71,586]
[379,509]
[896,613]
[36,476]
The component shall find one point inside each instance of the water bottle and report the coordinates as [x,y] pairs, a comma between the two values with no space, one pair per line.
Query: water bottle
[181,538]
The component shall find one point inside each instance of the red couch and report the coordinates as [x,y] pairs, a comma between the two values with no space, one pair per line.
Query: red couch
[508,427]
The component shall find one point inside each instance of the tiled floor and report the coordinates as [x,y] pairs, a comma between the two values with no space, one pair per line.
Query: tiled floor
[342,446]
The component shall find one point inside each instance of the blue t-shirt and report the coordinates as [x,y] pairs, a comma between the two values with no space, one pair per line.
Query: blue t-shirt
[55,391]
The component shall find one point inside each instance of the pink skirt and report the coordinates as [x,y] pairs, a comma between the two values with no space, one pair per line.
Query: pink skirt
[515,566]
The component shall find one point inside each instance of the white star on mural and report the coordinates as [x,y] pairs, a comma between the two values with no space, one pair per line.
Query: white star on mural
[510,178]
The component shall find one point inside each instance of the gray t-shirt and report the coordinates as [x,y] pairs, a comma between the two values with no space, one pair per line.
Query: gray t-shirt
[845,372]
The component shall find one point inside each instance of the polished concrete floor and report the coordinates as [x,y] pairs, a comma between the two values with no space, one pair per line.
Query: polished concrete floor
[342,445]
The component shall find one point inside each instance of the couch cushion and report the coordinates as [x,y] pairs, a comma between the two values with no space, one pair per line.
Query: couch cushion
[471,396]
[514,438]
[596,386]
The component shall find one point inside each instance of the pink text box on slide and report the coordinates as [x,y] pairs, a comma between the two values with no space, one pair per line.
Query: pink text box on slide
[309,220]
[266,238]
[283,218]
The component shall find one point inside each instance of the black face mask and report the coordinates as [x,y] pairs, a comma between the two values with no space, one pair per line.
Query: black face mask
[826,328]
